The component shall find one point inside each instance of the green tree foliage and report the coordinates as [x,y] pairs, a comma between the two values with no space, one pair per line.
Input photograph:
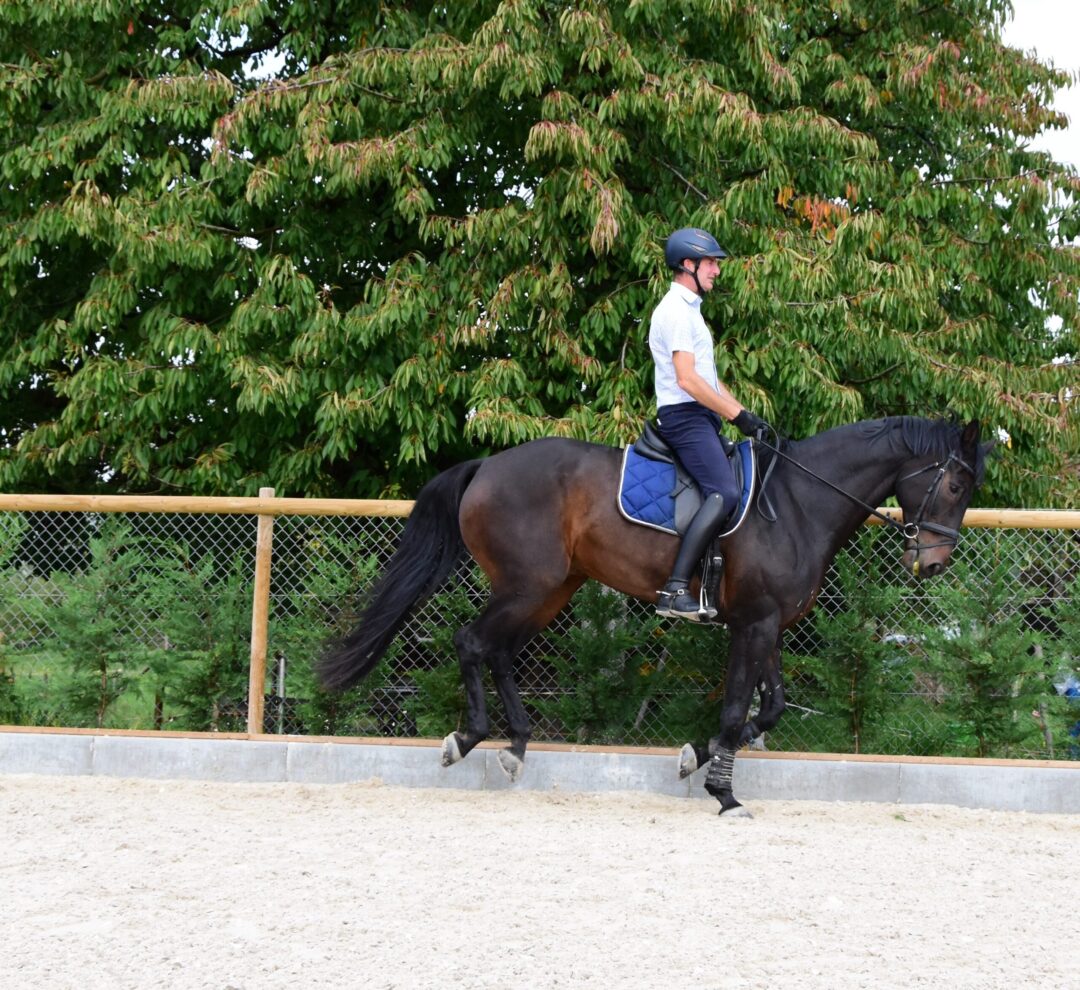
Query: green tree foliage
[606,678]
[990,676]
[325,571]
[12,527]
[92,650]
[857,668]
[1061,650]
[426,230]
[201,609]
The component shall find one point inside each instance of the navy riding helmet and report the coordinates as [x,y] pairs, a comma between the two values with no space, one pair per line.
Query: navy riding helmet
[691,242]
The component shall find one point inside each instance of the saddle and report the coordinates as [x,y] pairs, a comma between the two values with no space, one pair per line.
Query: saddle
[655,490]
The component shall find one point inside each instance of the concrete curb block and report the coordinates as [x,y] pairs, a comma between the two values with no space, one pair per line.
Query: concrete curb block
[1012,787]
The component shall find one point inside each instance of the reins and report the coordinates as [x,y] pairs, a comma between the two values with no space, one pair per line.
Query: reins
[910,530]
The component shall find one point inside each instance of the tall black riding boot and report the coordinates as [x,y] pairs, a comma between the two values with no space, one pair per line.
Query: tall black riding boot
[675,599]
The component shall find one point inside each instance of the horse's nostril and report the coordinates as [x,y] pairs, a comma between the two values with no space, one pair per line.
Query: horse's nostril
[933,570]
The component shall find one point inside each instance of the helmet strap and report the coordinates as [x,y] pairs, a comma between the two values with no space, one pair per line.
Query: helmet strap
[693,273]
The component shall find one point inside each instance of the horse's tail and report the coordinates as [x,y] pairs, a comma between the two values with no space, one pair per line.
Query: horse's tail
[430,548]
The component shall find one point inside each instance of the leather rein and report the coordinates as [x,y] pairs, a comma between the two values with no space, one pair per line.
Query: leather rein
[909,530]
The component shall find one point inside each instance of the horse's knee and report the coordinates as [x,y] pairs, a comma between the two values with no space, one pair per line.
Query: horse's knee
[749,733]
[732,719]
[469,650]
[772,708]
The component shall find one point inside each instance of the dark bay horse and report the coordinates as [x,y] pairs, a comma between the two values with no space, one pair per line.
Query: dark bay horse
[540,519]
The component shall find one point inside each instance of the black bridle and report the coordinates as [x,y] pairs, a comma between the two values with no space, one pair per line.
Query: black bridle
[952,535]
[911,530]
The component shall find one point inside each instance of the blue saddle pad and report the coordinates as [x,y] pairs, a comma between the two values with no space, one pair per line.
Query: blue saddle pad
[647,489]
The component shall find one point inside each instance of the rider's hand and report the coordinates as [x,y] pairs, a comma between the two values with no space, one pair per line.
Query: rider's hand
[750,425]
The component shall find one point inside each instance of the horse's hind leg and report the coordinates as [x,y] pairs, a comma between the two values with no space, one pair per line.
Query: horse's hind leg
[458,744]
[495,638]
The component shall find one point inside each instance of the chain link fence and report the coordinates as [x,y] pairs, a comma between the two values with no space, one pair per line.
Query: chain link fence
[143,620]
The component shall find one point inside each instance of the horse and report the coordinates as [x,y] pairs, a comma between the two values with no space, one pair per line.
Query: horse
[541,518]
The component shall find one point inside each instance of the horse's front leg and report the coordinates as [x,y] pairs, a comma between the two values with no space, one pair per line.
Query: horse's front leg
[751,648]
[771,702]
[771,705]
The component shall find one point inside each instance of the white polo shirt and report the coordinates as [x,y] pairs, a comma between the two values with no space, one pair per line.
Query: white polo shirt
[677,325]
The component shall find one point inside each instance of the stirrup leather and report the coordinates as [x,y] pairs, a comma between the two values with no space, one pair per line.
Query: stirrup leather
[712,570]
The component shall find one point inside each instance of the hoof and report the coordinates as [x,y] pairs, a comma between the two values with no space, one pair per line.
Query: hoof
[735,811]
[511,765]
[451,751]
[688,761]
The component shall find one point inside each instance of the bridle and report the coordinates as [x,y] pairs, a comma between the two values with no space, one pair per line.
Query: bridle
[910,530]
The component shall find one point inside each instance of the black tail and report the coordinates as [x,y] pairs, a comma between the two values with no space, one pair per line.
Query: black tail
[429,549]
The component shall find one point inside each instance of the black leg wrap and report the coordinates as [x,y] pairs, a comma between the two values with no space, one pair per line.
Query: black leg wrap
[721,770]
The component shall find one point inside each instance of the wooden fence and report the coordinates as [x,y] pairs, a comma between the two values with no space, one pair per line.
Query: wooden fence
[266,507]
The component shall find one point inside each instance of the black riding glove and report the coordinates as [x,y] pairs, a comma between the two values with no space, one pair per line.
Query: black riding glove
[750,425]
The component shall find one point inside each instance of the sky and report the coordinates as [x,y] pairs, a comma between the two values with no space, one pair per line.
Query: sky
[1052,29]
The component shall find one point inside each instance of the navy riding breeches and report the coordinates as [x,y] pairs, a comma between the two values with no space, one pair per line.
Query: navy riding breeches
[692,431]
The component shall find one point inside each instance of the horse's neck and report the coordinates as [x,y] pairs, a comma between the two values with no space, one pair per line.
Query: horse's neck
[865,470]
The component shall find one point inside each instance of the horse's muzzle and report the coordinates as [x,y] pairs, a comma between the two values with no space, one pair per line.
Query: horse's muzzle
[923,564]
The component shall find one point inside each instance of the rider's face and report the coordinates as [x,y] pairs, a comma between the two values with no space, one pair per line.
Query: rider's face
[707,271]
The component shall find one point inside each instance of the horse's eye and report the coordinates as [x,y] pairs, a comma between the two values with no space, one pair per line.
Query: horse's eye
[954,488]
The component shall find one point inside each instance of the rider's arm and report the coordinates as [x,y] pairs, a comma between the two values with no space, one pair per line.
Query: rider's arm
[719,401]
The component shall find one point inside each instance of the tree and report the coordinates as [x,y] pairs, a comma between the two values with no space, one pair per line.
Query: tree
[855,666]
[93,650]
[991,678]
[435,230]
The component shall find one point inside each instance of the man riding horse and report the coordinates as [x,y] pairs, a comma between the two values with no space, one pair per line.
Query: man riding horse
[691,404]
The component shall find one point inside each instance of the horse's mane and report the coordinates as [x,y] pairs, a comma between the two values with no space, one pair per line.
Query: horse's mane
[934,437]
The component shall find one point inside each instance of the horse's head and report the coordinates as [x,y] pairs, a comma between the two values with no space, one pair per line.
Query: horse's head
[934,488]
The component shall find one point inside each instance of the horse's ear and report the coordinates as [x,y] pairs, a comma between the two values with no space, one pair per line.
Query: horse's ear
[969,439]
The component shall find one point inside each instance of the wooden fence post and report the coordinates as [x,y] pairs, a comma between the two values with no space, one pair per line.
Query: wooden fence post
[260,617]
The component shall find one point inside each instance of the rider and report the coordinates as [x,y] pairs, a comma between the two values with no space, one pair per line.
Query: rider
[691,404]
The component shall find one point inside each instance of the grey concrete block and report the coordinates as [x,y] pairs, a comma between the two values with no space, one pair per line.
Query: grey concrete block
[46,753]
[560,770]
[816,780]
[1004,788]
[185,758]
[978,785]
[403,766]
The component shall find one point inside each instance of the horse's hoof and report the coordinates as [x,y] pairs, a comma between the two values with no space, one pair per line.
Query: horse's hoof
[687,761]
[735,811]
[451,751]
[511,765]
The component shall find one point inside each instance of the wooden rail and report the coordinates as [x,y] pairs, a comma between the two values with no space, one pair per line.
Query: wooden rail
[981,518]
[1004,518]
[200,504]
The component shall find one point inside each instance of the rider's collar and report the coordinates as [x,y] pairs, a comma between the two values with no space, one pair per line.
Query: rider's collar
[688,296]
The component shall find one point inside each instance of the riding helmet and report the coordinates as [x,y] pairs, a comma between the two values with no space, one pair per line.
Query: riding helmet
[691,242]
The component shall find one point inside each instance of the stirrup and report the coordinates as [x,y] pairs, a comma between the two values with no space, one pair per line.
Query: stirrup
[678,603]
[706,609]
